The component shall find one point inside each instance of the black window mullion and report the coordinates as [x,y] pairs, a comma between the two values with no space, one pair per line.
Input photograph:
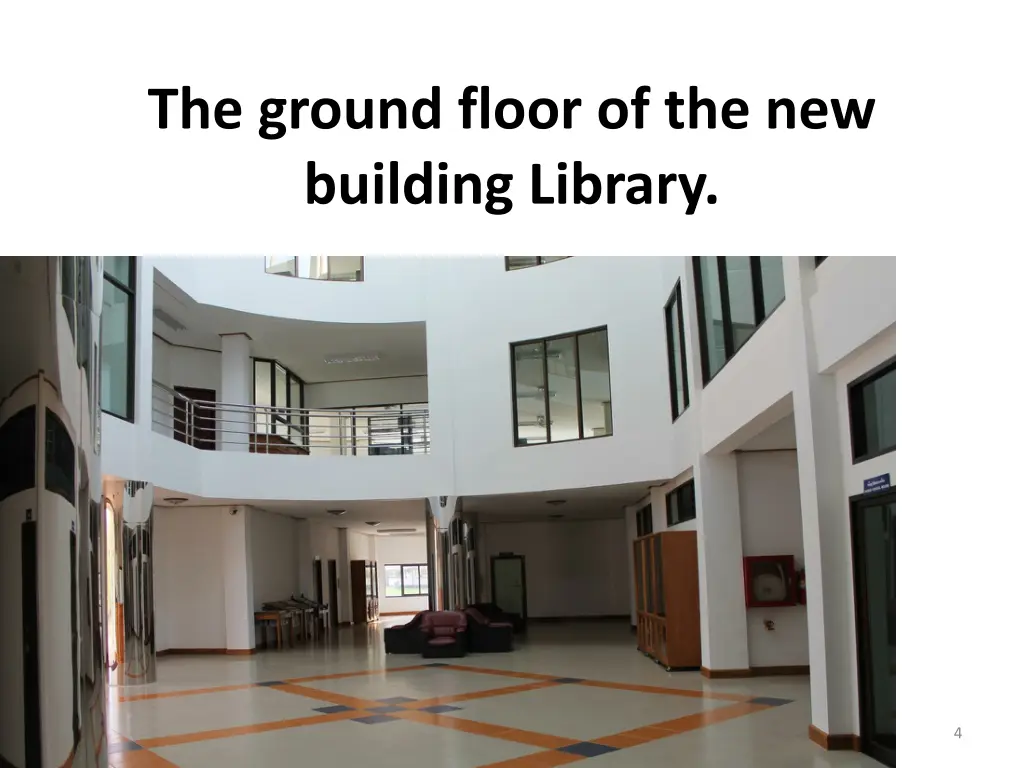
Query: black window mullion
[682,347]
[515,395]
[547,392]
[702,323]
[579,387]
[757,286]
[669,331]
[723,288]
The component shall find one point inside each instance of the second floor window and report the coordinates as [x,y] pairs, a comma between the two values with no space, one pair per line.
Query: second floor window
[522,262]
[347,269]
[276,386]
[561,388]
[679,385]
[734,296]
[117,357]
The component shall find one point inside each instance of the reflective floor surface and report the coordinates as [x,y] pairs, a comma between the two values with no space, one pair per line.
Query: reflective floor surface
[569,693]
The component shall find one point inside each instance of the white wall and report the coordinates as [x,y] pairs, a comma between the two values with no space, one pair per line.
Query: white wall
[188,578]
[400,550]
[275,557]
[367,392]
[771,523]
[573,568]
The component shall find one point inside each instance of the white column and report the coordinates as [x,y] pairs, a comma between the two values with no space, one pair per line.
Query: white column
[240,631]
[235,388]
[826,522]
[723,612]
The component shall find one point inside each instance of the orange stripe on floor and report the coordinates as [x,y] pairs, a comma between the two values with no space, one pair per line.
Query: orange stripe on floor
[537,760]
[456,697]
[502,732]
[667,691]
[361,673]
[678,725]
[242,730]
[140,758]
[501,672]
[188,692]
[328,696]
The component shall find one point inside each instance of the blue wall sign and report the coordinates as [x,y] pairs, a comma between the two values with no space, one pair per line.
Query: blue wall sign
[875,484]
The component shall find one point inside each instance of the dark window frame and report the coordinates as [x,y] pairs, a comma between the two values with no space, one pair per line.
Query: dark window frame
[129,291]
[676,299]
[760,316]
[819,260]
[423,587]
[18,447]
[855,409]
[683,491]
[282,418]
[645,520]
[579,386]
[404,427]
[538,262]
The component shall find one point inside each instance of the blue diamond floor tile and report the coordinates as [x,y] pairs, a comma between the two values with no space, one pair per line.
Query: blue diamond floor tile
[770,701]
[334,709]
[396,700]
[271,682]
[568,680]
[439,709]
[587,749]
[387,708]
[123,746]
[375,719]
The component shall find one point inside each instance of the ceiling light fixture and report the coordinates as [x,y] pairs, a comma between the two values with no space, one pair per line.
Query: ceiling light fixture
[555,502]
[357,357]
[175,500]
[336,512]
[373,523]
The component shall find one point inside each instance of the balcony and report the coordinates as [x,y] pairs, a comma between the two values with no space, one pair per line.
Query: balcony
[345,269]
[215,426]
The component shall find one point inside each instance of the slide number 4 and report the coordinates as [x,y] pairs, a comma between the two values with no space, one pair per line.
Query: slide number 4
[958,734]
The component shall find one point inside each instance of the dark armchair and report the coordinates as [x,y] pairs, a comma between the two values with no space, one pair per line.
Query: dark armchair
[486,636]
[406,638]
[494,613]
[444,634]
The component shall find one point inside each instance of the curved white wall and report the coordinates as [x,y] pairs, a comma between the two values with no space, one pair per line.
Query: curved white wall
[473,310]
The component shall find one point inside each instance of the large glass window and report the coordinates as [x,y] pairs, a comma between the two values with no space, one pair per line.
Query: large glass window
[644,521]
[335,268]
[406,580]
[522,262]
[679,385]
[734,296]
[277,388]
[562,388]
[873,413]
[117,358]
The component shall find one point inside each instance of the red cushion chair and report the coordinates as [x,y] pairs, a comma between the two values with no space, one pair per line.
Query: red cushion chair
[487,636]
[444,634]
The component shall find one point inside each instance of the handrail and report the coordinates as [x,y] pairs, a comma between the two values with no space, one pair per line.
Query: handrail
[215,425]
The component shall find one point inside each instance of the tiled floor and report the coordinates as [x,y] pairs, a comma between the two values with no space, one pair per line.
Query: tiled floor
[569,693]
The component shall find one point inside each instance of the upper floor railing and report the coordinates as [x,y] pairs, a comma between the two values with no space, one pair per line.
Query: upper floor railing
[208,425]
[346,269]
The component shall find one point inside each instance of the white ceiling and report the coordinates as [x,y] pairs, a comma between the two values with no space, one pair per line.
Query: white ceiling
[580,503]
[778,437]
[299,345]
[391,514]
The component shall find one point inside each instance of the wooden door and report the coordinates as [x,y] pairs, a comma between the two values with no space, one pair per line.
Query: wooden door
[195,424]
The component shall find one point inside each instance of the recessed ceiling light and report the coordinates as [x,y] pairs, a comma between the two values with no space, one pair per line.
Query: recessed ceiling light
[336,512]
[175,500]
[354,357]
[373,523]
[556,502]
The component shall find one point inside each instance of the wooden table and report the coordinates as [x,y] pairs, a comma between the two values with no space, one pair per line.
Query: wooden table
[274,617]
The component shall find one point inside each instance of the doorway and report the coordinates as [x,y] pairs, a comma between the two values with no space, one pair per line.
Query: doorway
[873,520]
[195,424]
[318,581]
[332,581]
[508,583]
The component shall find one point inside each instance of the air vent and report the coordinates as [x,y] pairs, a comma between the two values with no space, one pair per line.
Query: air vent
[171,322]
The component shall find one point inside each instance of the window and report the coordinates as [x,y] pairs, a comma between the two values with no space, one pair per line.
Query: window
[873,413]
[277,387]
[406,580]
[734,296]
[59,467]
[561,388]
[347,269]
[522,262]
[681,504]
[644,521]
[679,386]
[117,356]
[18,448]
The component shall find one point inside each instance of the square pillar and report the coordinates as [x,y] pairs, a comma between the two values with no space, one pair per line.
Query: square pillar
[239,627]
[235,423]
[825,521]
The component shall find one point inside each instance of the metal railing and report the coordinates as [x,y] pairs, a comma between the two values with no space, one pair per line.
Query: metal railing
[208,425]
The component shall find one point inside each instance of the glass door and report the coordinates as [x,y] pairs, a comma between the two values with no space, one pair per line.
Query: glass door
[874,557]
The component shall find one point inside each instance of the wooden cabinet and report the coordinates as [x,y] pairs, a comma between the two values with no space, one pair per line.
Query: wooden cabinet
[365,598]
[667,590]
